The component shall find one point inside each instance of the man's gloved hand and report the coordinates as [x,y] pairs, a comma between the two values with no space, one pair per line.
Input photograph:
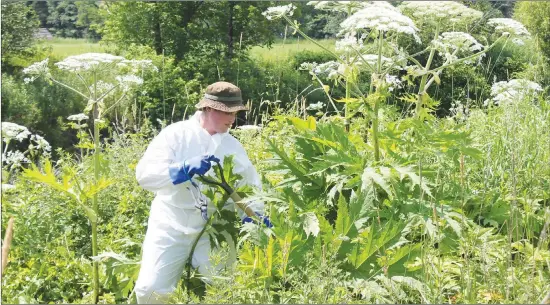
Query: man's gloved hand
[264,219]
[184,171]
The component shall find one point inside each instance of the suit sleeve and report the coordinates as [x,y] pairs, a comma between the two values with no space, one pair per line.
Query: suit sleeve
[152,171]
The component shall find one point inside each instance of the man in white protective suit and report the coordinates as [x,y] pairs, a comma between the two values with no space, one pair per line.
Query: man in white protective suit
[175,156]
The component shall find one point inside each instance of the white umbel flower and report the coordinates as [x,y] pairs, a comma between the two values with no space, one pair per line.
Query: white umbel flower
[338,6]
[41,143]
[513,91]
[439,11]
[316,106]
[36,69]
[277,12]
[508,25]
[87,61]
[250,127]
[449,44]
[128,81]
[14,131]
[7,187]
[381,18]
[349,44]
[14,159]
[102,88]
[77,117]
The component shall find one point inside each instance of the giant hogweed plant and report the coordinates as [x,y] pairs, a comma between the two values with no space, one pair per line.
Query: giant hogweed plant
[370,45]
[105,81]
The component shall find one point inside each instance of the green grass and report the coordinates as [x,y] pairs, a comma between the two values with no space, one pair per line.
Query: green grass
[281,51]
[63,47]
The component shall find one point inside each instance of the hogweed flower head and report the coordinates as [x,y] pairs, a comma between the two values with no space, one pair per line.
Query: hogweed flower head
[250,127]
[13,159]
[37,69]
[14,131]
[382,18]
[128,81]
[449,44]
[515,90]
[316,106]
[338,6]
[508,25]
[137,65]
[87,61]
[439,12]
[77,117]
[349,44]
[41,144]
[277,12]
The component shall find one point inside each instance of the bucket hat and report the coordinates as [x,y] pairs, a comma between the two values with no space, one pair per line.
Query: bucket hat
[222,96]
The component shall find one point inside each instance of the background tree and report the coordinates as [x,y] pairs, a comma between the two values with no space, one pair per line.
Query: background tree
[535,15]
[19,23]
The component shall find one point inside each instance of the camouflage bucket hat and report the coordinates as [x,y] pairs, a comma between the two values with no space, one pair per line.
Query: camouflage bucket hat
[222,96]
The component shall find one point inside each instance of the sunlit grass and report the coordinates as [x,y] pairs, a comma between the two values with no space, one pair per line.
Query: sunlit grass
[281,50]
[63,47]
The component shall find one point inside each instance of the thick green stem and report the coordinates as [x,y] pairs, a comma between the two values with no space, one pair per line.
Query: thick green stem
[348,95]
[422,89]
[377,102]
[95,112]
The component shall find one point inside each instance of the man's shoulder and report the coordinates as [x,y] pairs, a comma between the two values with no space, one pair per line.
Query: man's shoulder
[231,141]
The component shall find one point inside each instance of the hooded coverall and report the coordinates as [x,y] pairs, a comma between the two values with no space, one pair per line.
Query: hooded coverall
[174,221]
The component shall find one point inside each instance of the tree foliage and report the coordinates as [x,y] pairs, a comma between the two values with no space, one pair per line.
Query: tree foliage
[19,22]
[535,15]
[180,28]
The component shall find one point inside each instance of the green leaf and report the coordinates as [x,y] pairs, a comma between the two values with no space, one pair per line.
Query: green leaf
[303,125]
[92,216]
[370,175]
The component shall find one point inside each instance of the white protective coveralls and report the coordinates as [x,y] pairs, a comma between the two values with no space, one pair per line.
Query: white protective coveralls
[174,221]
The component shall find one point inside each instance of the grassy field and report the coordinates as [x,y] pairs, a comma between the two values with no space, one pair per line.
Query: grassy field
[281,50]
[63,47]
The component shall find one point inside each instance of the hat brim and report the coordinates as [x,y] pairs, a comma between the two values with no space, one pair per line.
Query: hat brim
[237,106]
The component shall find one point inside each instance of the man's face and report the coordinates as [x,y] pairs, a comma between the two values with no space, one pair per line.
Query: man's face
[219,121]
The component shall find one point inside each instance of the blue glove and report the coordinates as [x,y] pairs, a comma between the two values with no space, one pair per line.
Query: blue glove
[264,219]
[184,171]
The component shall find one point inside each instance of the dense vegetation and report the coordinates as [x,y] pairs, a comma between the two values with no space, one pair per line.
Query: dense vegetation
[402,162]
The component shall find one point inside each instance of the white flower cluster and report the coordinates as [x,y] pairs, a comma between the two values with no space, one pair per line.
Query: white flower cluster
[380,17]
[13,159]
[136,65]
[128,81]
[459,111]
[277,12]
[393,82]
[338,6]
[316,106]
[508,26]
[41,143]
[327,69]
[505,92]
[349,44]
[77,117]
[14,131]
[250,127]
[440,11]
[36,69]
[87,61]
[101,88]
[449,44]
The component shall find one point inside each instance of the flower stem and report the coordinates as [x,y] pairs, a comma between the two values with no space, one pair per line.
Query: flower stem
[422,89]
[97,148]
